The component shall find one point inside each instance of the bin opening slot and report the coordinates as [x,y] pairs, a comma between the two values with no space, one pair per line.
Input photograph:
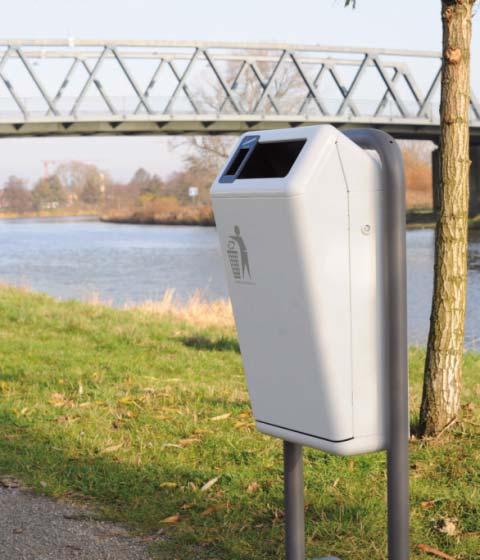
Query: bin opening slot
[270,159]
[233,168]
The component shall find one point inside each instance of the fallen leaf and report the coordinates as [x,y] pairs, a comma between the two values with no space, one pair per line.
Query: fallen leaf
[43,484]
[125,400]
[168,485]
[221,417]
[208,511]
[9,482]
[58,399]
[187,506]
[435,552]
[428,504]
[335,482]
[80,388]
[448,526]
[188,441]
[171,519]
[241,425]
[112,448]
[252,487]
[471,534]
[213,508]
[172,445]
[209,484]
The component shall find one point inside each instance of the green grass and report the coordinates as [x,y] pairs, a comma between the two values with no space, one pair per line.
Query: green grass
[128,411]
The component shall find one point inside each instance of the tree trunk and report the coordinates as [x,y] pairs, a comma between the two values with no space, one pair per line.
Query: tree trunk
[443,367]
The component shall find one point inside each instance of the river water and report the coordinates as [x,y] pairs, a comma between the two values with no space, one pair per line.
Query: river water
[83,258]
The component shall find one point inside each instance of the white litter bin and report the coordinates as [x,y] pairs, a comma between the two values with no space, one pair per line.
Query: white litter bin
[300,213]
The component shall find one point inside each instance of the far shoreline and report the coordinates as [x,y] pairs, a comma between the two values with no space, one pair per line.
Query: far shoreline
[48,214]
[157,222]
[415,219]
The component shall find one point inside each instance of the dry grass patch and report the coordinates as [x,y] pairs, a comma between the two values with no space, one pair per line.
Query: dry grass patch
[165,210]
[196,310]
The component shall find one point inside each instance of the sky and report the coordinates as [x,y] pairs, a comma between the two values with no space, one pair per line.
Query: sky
[405,24]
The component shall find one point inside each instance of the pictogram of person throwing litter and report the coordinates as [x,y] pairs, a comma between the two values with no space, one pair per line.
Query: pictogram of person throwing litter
[238,255]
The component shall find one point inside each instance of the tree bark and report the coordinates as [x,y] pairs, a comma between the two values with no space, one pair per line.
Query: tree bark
[443,366]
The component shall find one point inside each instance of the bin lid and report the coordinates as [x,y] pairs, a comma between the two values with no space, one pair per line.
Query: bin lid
[280,162]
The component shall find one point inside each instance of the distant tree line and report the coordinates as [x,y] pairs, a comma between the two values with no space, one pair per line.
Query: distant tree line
[73,184]
[77,185]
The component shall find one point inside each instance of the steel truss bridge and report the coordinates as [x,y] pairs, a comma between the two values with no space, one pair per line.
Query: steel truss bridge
[69,87]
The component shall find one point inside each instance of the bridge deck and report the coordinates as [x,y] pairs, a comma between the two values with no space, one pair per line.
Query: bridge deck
[68,87]
[212,124]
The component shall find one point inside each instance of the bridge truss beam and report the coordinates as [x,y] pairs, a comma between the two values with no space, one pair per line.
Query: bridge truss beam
[57,87]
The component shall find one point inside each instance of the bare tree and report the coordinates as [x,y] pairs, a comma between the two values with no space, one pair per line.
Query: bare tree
[76,175]
[49,193]
[16,197]
[444,362]
[443,367]
[247,79]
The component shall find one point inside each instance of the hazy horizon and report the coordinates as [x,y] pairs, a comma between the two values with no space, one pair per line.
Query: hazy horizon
[91,151]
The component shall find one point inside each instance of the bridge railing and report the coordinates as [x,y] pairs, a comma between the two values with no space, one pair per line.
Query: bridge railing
[69,81]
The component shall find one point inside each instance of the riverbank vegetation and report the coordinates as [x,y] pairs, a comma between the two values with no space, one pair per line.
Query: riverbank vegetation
[144,414]
[163,211]
[196,310]
[54,213]
[77,188]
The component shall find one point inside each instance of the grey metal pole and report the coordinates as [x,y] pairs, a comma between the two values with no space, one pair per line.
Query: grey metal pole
[294,502]
[397,359]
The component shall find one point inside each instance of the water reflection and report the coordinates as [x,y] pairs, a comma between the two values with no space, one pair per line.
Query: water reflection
[75,258]
[420,258]
[474,251]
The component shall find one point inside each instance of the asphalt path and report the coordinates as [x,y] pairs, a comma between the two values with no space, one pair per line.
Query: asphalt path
[34,527]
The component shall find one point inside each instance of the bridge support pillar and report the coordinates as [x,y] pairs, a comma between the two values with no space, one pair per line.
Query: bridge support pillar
[474,204]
